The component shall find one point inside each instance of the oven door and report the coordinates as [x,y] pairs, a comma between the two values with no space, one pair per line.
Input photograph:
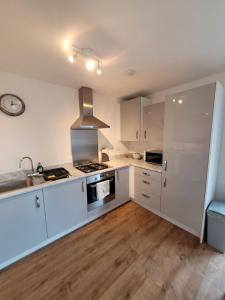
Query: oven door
[92,199]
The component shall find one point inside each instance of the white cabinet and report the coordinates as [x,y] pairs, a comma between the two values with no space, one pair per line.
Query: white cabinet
[65,206]
[192,137]
[22,224]
[122,185]
[142,121]
[153,123]
[147,189]
[130,120]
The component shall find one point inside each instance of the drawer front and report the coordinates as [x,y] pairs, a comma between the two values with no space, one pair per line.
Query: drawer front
[148,185]
[148,174]
[147,200]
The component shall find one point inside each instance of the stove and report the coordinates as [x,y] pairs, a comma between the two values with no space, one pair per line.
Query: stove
[92,167]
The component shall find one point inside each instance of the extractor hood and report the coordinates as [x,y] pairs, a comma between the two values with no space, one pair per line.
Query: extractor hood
[86,119]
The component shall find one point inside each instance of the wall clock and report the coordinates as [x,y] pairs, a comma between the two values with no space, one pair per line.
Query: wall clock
[12,105]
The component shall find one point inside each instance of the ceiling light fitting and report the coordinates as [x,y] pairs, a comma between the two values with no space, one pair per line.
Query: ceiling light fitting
[93,62]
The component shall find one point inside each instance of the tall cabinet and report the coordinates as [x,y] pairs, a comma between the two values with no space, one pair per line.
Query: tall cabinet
[192,137]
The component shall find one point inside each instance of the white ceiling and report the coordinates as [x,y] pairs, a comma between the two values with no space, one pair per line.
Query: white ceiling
[167,42]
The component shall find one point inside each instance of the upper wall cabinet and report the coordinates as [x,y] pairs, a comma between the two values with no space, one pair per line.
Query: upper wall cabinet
[153,123]
[130,120]
[142,121]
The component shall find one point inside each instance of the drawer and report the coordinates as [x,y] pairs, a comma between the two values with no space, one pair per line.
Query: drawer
[148,185]
[147,200]
[148,174]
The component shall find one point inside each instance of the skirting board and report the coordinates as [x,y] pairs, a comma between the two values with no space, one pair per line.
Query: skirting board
[57,237]
[182,226]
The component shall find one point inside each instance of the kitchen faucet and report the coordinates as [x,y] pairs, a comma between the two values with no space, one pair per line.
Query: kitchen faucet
[31,162]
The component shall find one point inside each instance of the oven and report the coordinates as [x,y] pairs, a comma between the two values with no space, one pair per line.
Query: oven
[92,199]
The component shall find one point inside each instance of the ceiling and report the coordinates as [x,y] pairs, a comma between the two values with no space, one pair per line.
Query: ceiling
[166,42]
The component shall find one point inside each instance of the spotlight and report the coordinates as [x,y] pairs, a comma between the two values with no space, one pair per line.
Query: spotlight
[71,58]
[90,64]
[99,71]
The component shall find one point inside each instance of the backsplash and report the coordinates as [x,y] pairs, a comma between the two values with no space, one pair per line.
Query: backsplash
[141,147]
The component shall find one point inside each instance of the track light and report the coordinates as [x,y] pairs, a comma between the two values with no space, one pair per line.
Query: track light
[92,61]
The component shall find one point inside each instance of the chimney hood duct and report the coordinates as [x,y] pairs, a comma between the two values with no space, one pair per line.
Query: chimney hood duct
[86,119]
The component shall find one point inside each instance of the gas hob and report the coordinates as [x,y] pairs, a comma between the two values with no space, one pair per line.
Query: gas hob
[93,167]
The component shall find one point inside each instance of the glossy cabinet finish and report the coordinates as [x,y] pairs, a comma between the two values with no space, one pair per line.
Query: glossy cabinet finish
[153,123]
[152,186]
[122,185]
[130,120]
[147,200]
[187,141]
[148,174]
[147,188]
[22,224]
[142,121]
[65,206]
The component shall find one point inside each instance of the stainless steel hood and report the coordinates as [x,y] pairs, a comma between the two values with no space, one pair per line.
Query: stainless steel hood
[86,119]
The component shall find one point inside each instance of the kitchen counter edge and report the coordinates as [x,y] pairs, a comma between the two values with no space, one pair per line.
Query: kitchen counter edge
[77,175]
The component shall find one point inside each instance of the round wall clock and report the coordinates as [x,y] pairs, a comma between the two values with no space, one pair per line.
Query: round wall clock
[12,105]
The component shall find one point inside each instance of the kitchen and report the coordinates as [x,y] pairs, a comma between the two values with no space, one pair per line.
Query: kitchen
[144,163]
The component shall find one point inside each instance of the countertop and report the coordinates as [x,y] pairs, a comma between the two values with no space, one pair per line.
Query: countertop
[39,182]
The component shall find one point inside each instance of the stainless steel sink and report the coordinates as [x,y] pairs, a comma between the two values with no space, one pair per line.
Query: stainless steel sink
[20,183]
[15,184]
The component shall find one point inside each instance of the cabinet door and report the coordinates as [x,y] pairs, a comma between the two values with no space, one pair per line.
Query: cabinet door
[22,224]
[130,120]
[153,124]
[122,185]
[65,206]
[187,136]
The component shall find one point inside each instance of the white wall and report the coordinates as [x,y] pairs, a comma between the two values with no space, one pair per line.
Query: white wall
[107,109]
[43,131]
[160,96]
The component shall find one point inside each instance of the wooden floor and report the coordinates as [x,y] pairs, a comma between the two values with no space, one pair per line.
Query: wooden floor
[128,254]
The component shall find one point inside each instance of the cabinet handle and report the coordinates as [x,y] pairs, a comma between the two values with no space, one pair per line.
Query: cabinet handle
[82,187]
[145,181]
[137,134]
[37,201]
[145,134]
[165,165]
[146,196]
[164,183]
[145,173]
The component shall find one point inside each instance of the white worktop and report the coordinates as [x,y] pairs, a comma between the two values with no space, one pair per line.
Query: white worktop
[39,183]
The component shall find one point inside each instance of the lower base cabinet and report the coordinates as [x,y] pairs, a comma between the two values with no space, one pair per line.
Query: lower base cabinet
[147,189]
[22,224]
[34,219]
[147,200]
[122,185]
[65,206]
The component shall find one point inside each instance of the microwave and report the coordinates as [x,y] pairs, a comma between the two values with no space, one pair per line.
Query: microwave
[154,157]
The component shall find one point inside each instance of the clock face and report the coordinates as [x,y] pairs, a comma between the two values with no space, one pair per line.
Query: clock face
[12,105]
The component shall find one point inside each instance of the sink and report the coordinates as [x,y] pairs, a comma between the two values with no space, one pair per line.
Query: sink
[15,184]
[19,180]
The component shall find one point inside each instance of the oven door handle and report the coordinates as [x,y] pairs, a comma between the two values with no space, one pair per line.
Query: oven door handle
[94,185]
